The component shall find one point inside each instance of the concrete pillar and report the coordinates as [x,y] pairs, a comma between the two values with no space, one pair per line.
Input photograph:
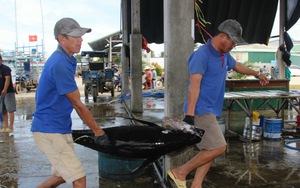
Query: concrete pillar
[136,102]
[280,63]
[136,59]
[178,46]
[110,50]
[124,59]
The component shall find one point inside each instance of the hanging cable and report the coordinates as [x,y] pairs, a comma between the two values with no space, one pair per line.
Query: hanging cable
[201,21]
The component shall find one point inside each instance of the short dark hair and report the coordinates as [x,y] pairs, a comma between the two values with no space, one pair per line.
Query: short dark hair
[0,57]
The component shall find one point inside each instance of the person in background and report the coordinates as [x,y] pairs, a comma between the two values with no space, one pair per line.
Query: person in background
[148,77]
[154,76]
[114,67]
[163,76]
[8,98]
[208,67]
[56,97]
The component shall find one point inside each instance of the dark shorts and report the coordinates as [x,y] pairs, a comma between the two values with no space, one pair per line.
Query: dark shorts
[8,103]
[213,137]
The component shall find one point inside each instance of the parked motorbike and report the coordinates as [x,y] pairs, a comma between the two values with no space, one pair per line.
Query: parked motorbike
[96,85]
[26,80]
[118,82]
[160,82]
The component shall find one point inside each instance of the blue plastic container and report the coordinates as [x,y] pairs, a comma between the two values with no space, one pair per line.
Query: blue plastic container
[85,75]
[273,129]
[118,168]
[1,118]
[108,73]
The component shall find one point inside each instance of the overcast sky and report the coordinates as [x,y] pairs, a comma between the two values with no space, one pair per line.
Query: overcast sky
[103,16]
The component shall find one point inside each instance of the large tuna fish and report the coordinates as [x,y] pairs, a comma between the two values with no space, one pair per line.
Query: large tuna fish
[149,141]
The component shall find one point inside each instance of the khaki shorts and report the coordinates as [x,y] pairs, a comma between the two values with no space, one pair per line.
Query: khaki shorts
[59,149]
[213,137]
[8,103]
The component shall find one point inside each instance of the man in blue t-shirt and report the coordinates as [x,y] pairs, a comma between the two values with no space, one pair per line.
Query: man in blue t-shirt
[56,97]
[208,67]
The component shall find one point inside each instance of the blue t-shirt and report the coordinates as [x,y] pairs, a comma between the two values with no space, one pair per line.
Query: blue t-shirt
[213,66]
[53,109]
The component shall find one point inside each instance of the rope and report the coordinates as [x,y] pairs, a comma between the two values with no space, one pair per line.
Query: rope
[83,136]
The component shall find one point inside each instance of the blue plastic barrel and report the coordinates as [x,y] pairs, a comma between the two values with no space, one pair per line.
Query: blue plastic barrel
[272,129]
[118,168]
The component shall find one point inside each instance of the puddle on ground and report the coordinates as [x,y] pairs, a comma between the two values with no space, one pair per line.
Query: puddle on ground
[262,163]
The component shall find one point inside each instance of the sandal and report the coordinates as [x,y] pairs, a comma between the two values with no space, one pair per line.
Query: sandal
[178,183]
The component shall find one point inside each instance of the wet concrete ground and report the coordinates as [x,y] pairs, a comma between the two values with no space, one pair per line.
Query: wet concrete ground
[262,163]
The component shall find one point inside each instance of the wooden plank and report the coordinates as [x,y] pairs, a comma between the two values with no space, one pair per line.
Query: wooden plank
[231,85]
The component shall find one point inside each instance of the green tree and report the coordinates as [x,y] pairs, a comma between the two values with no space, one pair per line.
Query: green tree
[144,64]
[116,59]
[158,68]
[152,53]
[162,54]
[78,58]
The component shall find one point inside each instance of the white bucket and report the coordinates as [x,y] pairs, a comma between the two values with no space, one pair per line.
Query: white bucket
[256,129]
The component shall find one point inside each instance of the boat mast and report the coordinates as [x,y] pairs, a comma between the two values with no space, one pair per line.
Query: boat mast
[16,25]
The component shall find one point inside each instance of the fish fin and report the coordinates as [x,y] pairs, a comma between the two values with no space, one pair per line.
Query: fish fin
[199,132]
[151,124]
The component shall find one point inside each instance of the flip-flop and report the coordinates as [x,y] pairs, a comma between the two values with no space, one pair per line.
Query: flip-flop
[179,183]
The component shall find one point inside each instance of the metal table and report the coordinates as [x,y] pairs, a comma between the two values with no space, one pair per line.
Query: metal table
[245,99]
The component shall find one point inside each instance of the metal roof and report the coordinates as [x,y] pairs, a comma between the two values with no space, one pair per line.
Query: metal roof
[103,44]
